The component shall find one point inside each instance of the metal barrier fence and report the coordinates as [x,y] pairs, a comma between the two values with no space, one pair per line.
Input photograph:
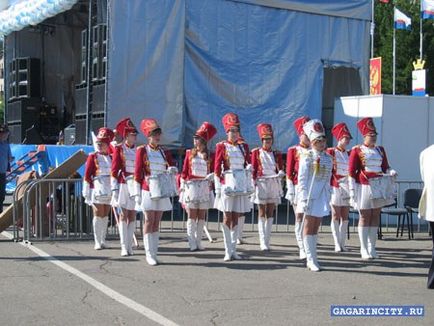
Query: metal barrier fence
[53,209]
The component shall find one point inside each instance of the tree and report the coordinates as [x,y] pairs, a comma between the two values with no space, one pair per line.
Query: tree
[407,45]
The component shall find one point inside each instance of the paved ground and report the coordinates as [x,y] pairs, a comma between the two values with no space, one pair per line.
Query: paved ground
[200,289]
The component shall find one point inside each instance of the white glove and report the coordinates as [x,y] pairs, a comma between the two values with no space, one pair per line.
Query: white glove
[393,173]
[281,174]
[290,193]
[114,184]
[248,167]
[172,169]
[217,184]
[87,193]
[210,177]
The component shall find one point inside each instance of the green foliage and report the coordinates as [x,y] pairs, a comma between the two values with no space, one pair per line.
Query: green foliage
[407,45]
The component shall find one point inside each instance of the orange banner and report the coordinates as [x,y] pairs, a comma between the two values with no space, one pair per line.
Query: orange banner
[375,76]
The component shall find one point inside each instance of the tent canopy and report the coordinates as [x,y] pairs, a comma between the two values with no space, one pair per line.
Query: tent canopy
[184,62]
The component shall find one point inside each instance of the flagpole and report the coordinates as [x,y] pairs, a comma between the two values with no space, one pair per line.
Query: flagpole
[421,32]
[394,59]
[372,28]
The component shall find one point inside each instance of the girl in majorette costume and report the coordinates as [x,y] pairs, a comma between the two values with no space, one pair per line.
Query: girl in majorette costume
[267,171]
[313,198]
[124,156]
[196,194]
[232,160]
[292,162]
[371,185]
[152,160]
[340,201]
[96,185]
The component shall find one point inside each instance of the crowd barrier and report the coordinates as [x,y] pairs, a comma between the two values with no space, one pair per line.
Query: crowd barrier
[53,209]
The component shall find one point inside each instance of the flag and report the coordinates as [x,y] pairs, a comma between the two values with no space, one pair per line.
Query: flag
[401,21]
[375,76]
[427,9]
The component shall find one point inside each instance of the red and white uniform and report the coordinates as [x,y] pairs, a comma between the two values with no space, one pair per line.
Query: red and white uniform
[96,183]
[267,163]
[122,172]
[230,156]
[366,163]
[339,180]
[196,168]
[151,161]
[292,165]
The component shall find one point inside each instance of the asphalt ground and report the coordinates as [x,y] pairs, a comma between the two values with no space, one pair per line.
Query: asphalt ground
[198,288]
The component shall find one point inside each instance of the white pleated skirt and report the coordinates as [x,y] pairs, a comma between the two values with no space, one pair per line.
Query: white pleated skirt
[339,197]
[101,200]
[149,204]
[236,204]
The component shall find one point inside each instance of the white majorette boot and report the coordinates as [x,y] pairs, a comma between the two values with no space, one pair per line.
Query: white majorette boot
[191,234]
[298,230]
[147,240]
[123,235]
[334,225]
[372,240]
[97,226]
[199,234]
[234,238]
[363,237]
[268,227]
[343,229]
[227,242]
[241,220]
[104,226]
[309,242]
[131,227]
[261,232]
[155,243]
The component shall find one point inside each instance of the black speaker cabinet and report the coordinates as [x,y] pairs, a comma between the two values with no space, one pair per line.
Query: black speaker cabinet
[99,52]
[83,57]
[24,78]
[22,115]
[98,98]
[80,100]
[80,129]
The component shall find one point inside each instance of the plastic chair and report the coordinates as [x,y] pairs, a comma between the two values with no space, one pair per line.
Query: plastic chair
[411,203]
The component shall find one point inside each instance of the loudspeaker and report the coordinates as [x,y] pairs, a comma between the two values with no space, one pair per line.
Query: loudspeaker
[12,80]
[80,129]
[98,98]
[83,61]
[24,78]
[21,115]
[80,100]
[97,122]
[99,52]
